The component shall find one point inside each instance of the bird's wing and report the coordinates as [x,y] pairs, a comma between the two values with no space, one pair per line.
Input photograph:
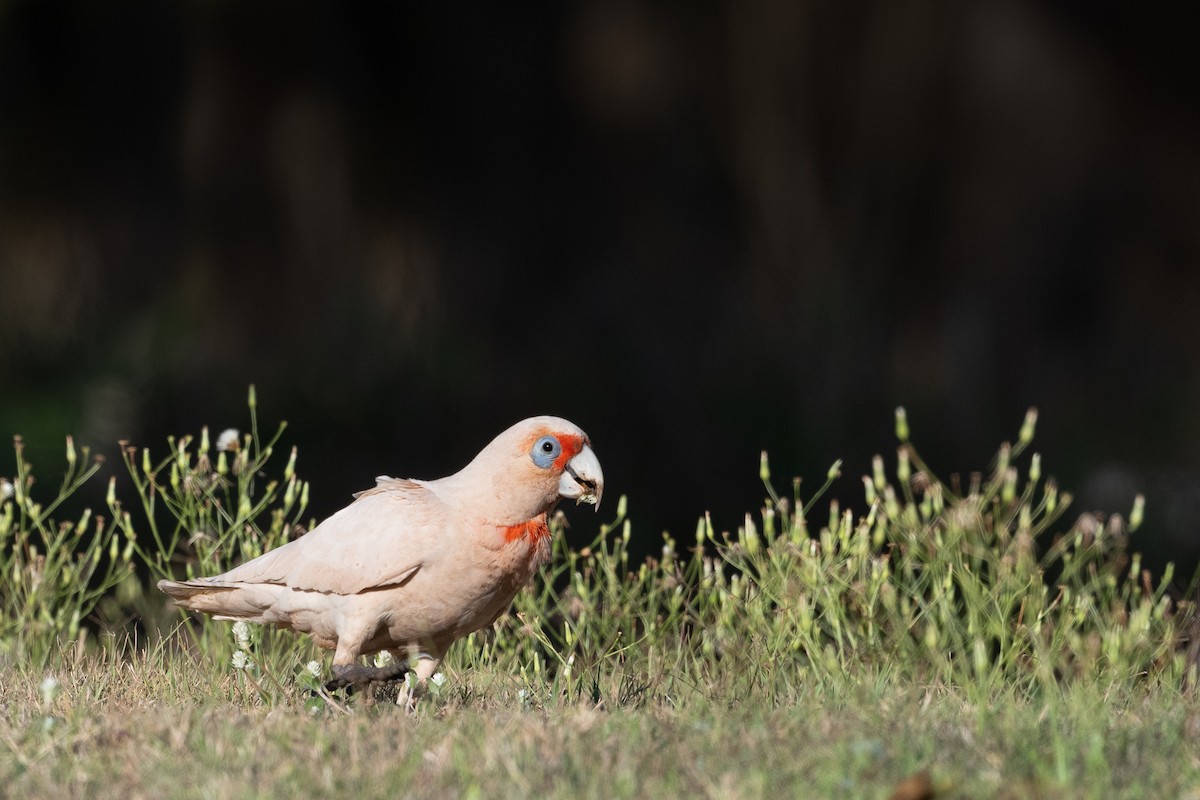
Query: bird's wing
[381,539]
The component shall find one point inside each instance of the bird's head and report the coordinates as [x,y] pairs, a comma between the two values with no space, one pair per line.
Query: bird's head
[537,462]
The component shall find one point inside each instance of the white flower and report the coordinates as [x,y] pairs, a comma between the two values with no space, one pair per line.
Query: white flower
[437,679]
[228,440]
[314,668]
[382,658]
[241,660]
[6,489]
[48,689]
[241,634]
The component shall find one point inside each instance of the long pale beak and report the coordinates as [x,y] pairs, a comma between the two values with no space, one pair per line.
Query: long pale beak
[582,480]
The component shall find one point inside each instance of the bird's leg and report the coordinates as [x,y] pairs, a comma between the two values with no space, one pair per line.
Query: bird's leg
[348,672]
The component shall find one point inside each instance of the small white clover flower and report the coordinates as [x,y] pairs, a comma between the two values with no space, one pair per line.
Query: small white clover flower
[228,440]
[437,679]
[48,689]
[241,634]
[382,659]
[314,668]
[241,660]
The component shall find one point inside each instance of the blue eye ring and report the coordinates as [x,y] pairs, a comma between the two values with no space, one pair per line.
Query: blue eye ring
[545,451]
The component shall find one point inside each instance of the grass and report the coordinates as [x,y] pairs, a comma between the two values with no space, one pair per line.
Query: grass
[126,730]
[961,632]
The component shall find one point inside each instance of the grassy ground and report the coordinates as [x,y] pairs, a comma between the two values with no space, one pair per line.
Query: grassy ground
[121,731]
[950,640]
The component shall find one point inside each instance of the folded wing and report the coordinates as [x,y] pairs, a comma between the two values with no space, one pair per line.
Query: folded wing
[381,539]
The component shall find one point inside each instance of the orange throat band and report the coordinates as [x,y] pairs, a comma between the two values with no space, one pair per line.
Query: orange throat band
[534,530]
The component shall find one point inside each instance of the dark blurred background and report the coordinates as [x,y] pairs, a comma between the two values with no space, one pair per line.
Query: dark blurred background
[696,229]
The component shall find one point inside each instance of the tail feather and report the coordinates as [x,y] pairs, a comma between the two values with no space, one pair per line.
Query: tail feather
[246,602]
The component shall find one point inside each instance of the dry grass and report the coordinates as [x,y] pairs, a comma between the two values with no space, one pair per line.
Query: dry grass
[126,730]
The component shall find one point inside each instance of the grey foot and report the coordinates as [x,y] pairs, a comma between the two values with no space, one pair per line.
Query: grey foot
[357,675]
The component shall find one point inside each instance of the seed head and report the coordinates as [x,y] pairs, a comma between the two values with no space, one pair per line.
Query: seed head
[228,440]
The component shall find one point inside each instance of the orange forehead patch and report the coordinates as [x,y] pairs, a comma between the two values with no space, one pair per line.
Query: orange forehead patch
[571,445]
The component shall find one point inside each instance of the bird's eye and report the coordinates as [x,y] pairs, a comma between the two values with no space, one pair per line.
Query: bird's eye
[545,450]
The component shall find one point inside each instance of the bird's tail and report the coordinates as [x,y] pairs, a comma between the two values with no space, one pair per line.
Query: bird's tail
[222,601]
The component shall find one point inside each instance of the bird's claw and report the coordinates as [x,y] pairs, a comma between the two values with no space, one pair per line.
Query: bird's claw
[358,675]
